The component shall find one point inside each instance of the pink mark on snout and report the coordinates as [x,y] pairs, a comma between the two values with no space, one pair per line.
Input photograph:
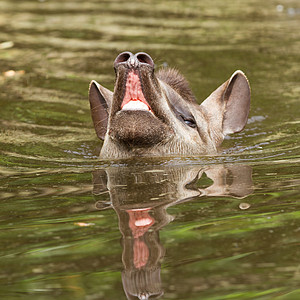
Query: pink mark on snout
[134,91]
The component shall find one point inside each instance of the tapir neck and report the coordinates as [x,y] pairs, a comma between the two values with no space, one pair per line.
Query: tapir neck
[174,147]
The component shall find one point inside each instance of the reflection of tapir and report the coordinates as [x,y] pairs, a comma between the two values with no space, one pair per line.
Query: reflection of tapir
[156,114]
[141,195]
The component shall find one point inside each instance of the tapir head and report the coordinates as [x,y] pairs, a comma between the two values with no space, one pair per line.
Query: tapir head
[151,114]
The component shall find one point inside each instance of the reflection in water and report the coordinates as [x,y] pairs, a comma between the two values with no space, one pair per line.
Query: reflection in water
[141,196]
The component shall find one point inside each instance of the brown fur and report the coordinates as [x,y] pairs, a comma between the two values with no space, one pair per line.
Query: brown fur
[138,129]
[176,80]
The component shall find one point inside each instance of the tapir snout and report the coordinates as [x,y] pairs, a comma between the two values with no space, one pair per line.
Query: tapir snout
[156,114]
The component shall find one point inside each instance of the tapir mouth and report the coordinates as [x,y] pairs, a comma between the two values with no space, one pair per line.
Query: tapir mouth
[134,98]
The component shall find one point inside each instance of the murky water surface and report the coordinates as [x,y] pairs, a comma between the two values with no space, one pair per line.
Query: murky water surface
[75,227]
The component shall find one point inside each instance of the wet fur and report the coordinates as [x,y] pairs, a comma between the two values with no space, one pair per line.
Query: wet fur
[176,80]
[137,129]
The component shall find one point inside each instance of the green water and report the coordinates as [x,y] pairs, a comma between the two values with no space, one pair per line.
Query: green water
[221,227]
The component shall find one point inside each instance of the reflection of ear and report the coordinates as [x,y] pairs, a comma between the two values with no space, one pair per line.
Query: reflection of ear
[100,103]
[99,188]
[187,183]
[228,106]
[99,182]
[229,180]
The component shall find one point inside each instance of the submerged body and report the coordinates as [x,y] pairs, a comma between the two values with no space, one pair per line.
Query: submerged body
[151,114]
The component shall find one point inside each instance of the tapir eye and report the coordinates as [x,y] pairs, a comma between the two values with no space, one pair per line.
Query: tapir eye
[190,122]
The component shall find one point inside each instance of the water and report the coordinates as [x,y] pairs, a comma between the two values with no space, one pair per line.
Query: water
[75,227]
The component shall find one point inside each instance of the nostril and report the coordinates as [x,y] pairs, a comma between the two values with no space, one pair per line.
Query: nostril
[123,57]
[143,57]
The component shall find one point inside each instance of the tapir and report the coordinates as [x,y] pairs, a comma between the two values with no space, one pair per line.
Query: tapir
[156,114]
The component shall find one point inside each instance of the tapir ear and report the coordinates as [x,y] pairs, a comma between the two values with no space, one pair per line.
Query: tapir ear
[228,106]
[237,98]
[100,103]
